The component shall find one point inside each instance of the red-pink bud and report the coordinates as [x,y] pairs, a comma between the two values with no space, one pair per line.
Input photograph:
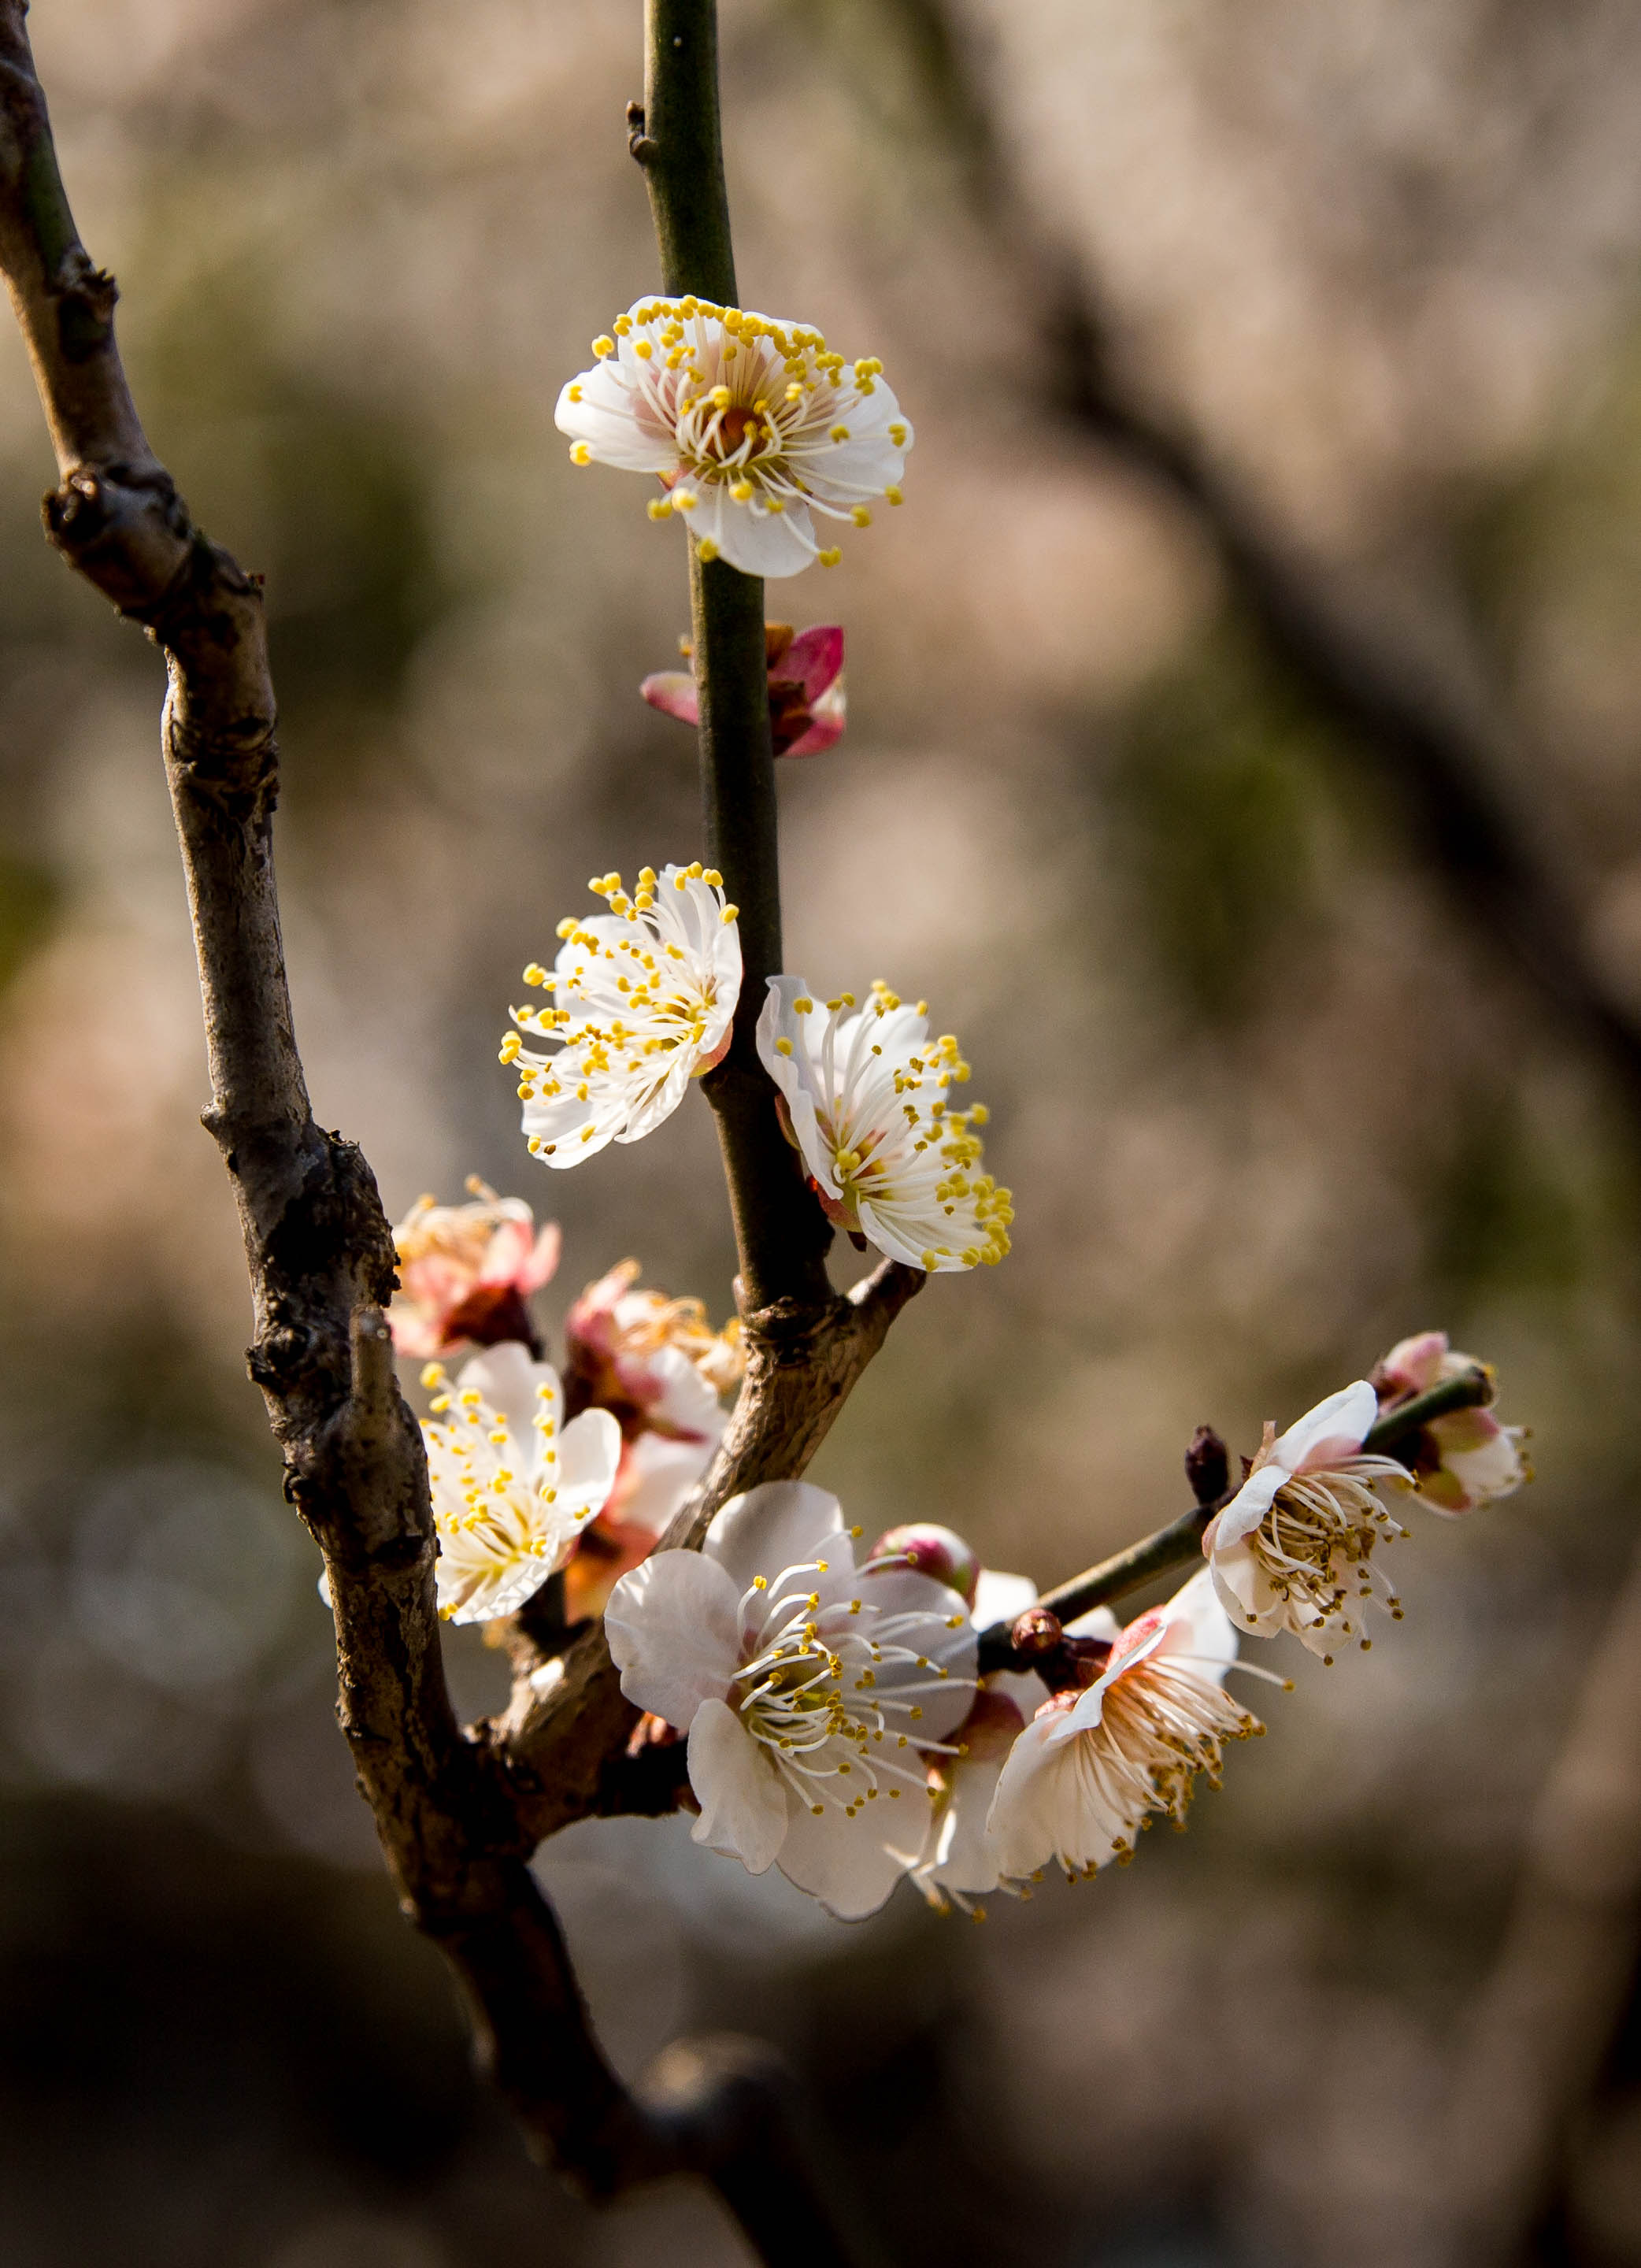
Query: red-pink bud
[939,1553]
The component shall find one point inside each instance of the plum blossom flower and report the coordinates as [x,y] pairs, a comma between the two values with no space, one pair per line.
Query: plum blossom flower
[642,997]
[864,1096]
[753,426]
[659,1368]
[513,1485]
[1093,1767]
[806,702]
[1464,1459]
[1293,1548]
[806,1686]
[465,1271]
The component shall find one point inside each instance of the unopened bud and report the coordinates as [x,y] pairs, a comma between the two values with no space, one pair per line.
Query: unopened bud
[1036,1631]
[933,1550]
[1207,1466]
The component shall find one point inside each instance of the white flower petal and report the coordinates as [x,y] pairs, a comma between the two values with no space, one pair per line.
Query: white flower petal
[843,1862]
[743,1811]
[673,1629]
[589,1453]
[779,1524]
[662,1473]
[1332,1430]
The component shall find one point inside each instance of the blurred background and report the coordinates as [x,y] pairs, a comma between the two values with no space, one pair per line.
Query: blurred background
[1228,326]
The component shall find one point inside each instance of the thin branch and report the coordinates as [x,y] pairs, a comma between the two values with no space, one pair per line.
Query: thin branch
[781,1234]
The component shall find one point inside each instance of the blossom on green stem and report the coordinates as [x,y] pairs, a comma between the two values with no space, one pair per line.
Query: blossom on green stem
[865,1098]
[640,1004]
[754,427]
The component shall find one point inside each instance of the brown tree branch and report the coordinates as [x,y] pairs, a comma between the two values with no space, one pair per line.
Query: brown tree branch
[321,1257]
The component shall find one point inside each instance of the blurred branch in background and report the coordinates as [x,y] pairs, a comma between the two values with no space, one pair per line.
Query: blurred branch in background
[1548,2016]
[1435,736]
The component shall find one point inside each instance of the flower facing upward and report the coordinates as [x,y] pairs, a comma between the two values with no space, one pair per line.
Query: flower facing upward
[864,1095]
[642,1001]
[1293,1548]
[1460,1461]
[806,703]
[513,1485]
[754,425]
[807,1688]
[465,1271]
[659,1368]
[1090,1768]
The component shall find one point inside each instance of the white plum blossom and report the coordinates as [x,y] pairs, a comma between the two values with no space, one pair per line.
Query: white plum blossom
[754,426]
[1464,1459]
[1093,1767]
[641,1000]
[865,1098]
[807,1688]
[513,1485]
[1293,1548]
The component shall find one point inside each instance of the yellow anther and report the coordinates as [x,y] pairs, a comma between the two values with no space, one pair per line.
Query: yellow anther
[581,453]
[432,1375]
[741,490]
[603,347]
[840,433]
[660,507]
[621,326]
[829,558]
[684,499]
[861,517]
[783,1047]
[511,1045]
[897,434]
[708,549]
[803,1005]
[576,393]
[720,397]
[731,913]
[643,349]
[893,495]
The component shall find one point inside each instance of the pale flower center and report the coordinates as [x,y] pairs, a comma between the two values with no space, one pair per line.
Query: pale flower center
[1315,1544]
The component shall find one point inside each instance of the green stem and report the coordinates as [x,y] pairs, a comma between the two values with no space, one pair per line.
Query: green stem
[781,1234]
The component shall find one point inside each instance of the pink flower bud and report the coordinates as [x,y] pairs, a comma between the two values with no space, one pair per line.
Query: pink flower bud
[935,1551]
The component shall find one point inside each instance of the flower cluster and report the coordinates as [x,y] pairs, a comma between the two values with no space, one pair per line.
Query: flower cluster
[642,999]
[513,1486]
[864,1095]
[837,1728]
[753,426]
[806,702]
[465,1271]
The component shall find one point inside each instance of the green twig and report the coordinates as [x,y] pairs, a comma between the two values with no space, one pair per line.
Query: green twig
[781,1234]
